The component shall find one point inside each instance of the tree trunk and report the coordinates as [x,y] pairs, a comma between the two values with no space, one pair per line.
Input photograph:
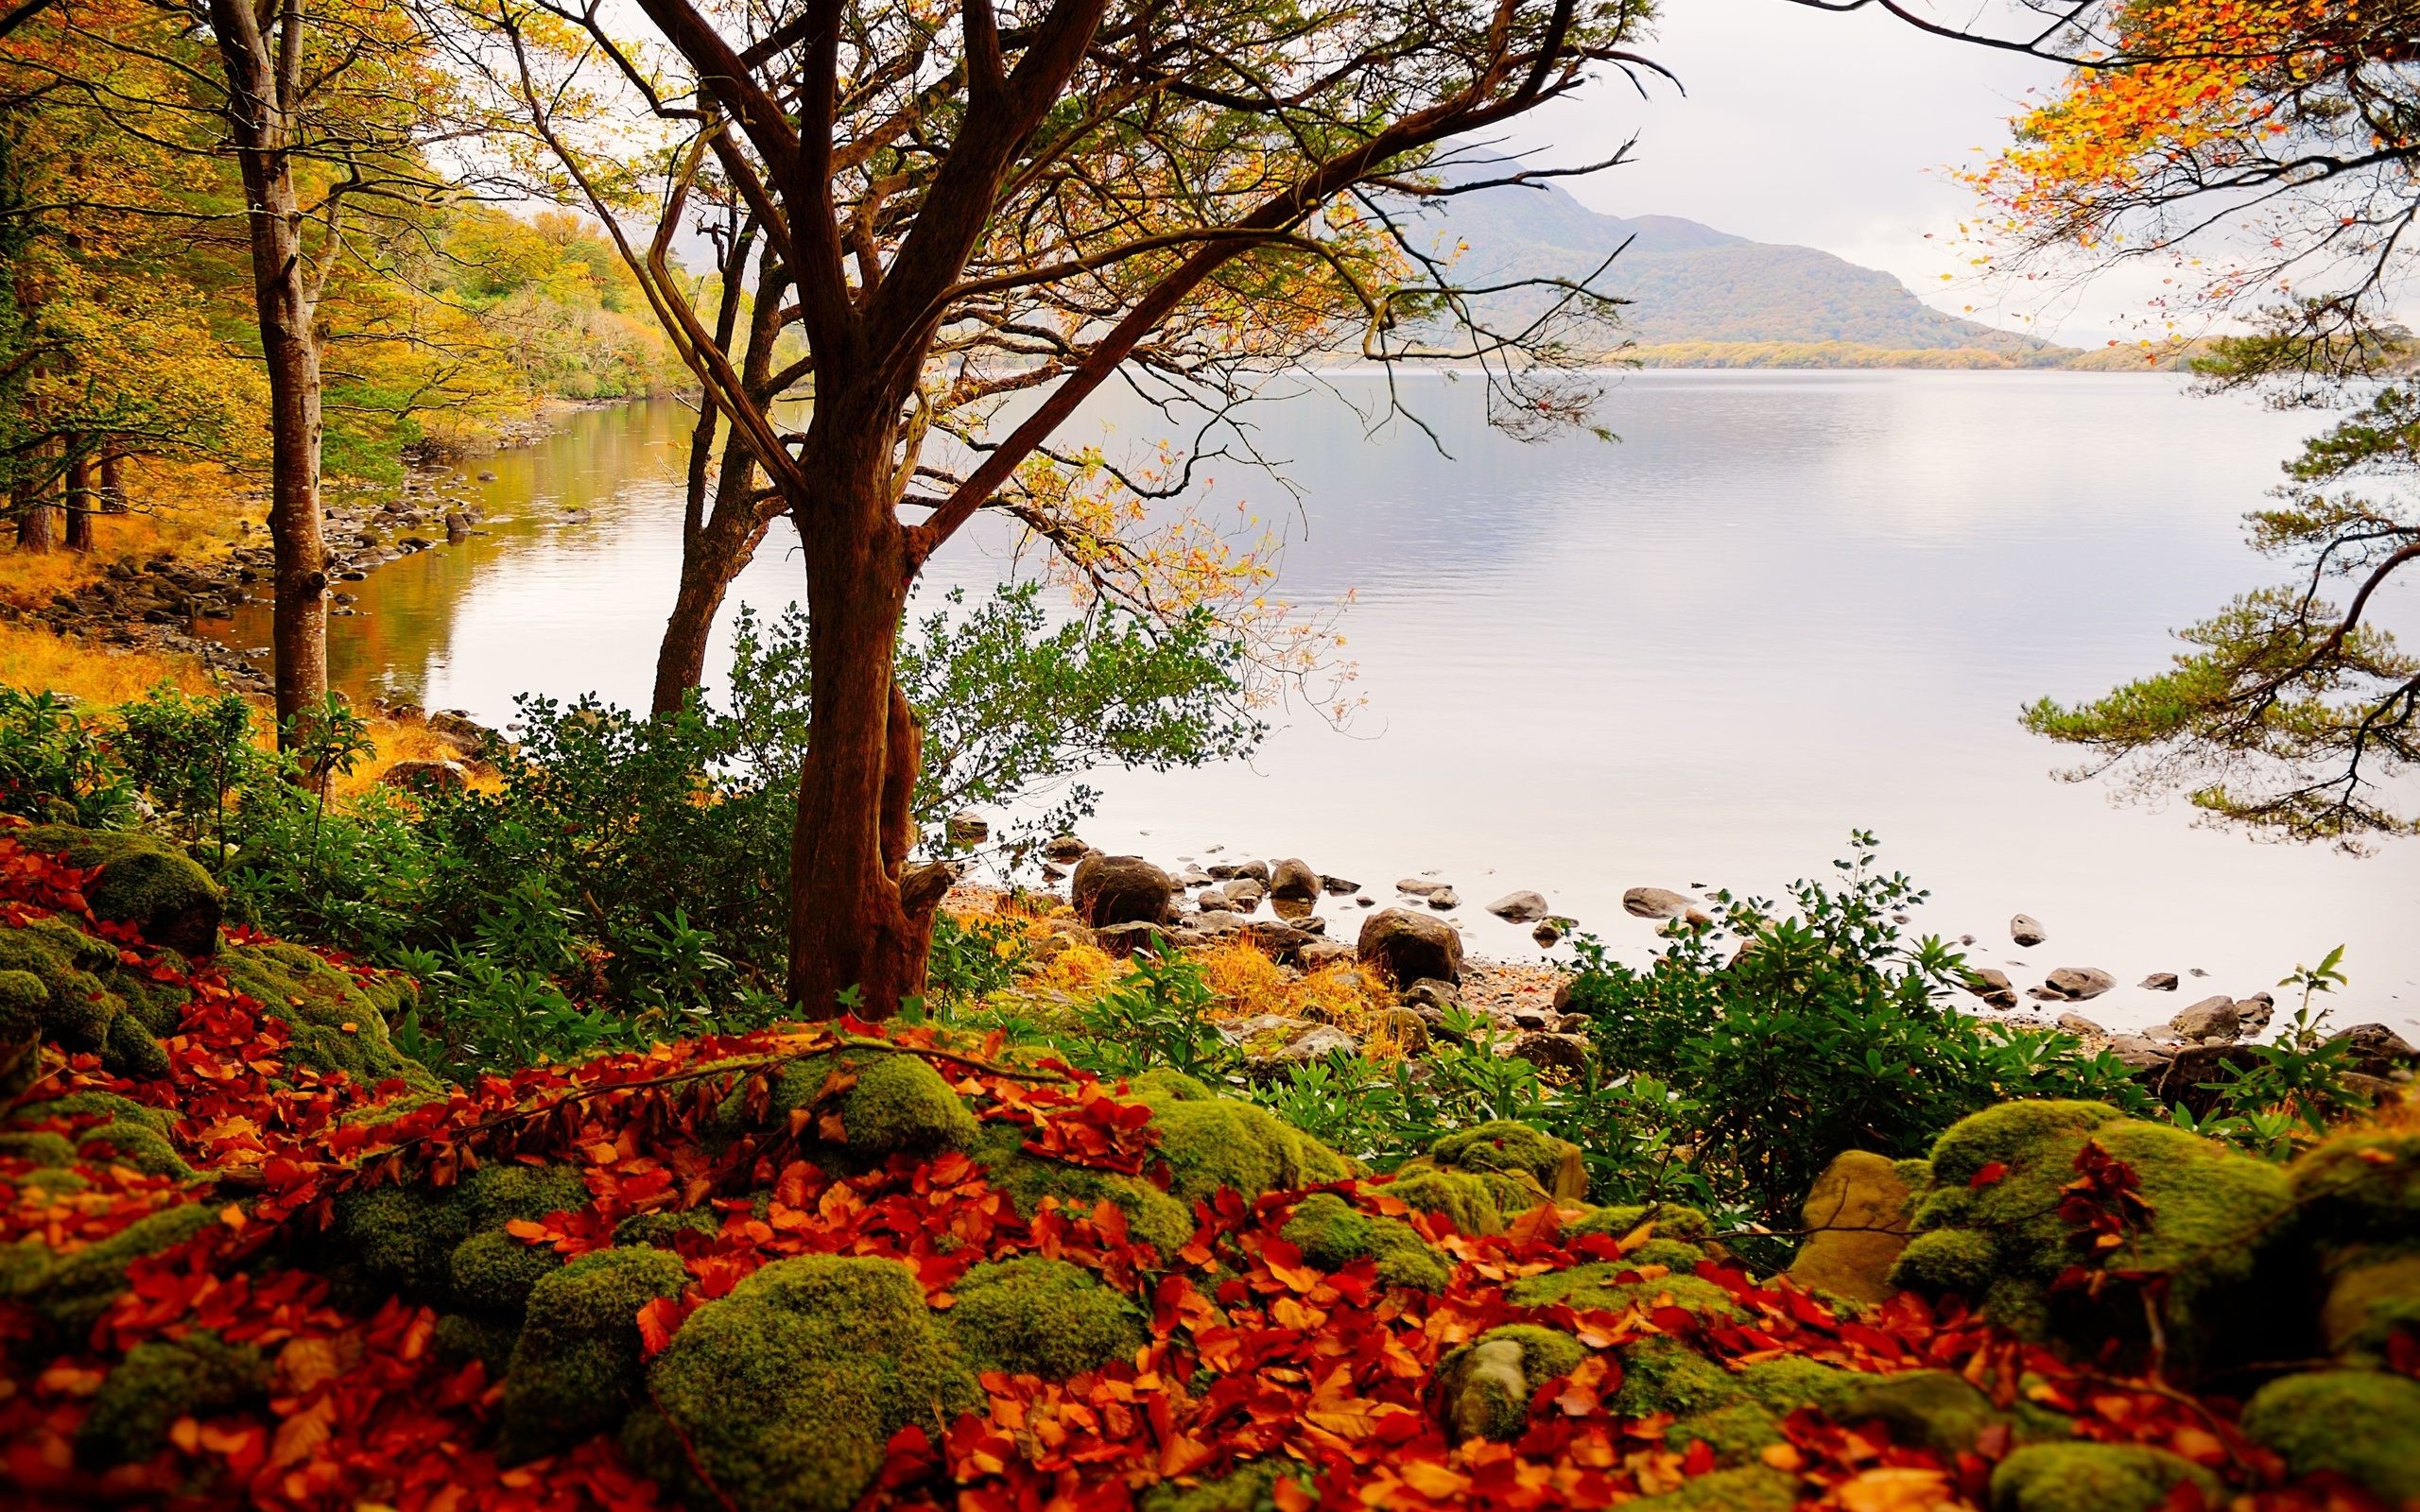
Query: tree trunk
[259,110]
[79,499]
[859,917]
[112,482]
[29,501]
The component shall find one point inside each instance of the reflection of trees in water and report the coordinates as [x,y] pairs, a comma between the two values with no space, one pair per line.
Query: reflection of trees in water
[409,609]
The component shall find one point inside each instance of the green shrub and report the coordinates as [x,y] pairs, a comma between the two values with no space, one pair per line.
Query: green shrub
[1042,1317]
[53,765]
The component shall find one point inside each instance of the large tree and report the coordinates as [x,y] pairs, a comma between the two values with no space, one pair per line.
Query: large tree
[2268,151]
[976,205]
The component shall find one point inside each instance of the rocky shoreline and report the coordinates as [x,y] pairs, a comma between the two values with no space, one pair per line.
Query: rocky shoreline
[162,603]
[1413,949]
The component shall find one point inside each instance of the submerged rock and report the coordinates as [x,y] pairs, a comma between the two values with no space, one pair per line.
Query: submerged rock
[1520,907]
[1292,881]
[1655,903]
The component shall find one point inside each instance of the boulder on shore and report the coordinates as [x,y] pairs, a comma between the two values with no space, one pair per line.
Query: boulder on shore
[1520,907]
[1292,881]
[1405,947]
[2077,983]
[1655,903]
[2213,1018]
[1119,890]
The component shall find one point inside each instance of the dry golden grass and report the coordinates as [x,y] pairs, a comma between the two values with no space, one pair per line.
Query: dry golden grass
[185,511]
[1248,983]
[102,676]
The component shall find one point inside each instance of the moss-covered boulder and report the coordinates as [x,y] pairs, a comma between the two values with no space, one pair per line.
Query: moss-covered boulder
[1472,1201]
[1332,1234]
[663,1229]
[2372,1294]
[2360,1186]
[1151,1215]
[144,882]
[1857,1221]
[2362,1424]
[1211,1143]
[402,1240]
[86,1000]
[884,1104]
[23,1002]
[786,1391]
[1672,1220]
[1247,1488]
[462,1337]
[128,1142]
[70,1291]
[1940,1411]
[575,1370]
[337,1020]
[1599,1286]
[1748,1488]
[2095,1478]
[1042,1317]
[1990,1227]
[1503,1145]
[494,1273]
[159,1381]
[1487,1384]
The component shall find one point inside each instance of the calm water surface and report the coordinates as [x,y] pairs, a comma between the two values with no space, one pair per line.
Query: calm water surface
[1783,605]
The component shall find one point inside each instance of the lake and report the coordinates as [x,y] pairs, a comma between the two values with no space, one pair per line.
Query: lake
[1781,606]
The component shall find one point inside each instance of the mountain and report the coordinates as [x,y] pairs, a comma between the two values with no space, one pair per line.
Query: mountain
[1694,287]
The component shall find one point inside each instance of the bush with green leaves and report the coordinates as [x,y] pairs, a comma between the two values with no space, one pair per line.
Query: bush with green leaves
[55,765]
[1792,1036]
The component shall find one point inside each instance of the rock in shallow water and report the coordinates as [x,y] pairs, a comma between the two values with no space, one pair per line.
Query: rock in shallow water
[1655,903]
[2213,1018]
[1520,907]
[2027,930]
[2160,982]
[2077,983]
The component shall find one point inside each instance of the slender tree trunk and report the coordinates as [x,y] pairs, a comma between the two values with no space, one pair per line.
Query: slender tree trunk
[80,497]
[258,109]
[112,481]
[860,917]
[29,501]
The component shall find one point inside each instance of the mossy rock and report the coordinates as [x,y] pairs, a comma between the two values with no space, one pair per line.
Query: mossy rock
[494,1273]
[1247,1488]
[158,889]
[576,1371]
[53,1181]
[2372,1294]
[1042,1317]
[1219,1142]
[1672,1220]
[1169,1085]
[2362,1424]
[1663,1375]
[1554,1164]
[1598,1285]
[786,1390]
[401,1240]
[159,1381]
[462,1337]
[335,1020]
[42,1146]
[76,1007]
[1487,1384]
[1467,1200]
[24,1000]
[2210,1209]
[2096,1478]
[1332,1234]
[108,1108]
[130,1050]
[1748,1488]
[898,1105]
[662,1229]
[124,1141]
[1789,1383]
[2361,1186]
[1857,1221]
[1940,1411]
[1151,1215]
[1737,1435]
[72,1290]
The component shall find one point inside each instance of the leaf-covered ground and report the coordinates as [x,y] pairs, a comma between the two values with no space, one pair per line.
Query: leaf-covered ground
[268,1302]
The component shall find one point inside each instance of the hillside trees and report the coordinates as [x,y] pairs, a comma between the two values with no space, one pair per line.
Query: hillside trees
[2271,153]
[1030,203]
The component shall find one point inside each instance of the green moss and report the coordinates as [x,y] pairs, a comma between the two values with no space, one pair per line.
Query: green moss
[898,1105]
[145,883]
[1679,1258]
[575,1371]
[55,1182]
[662,1229]
[1467,1201]
[1749,1488]
[401,1240]
[1939,1410]
[23,1000]
[75,1289]
[76,1006]
[1166,1084]
[2360,1186]
[1487,1384]
[107,1107]
[159,1381]
[1248,1489]
[1736,1433]
[1151,1215]
[140,1145]
[2372,1291]
[1504,1145]
[40,1146]
[1221,1143]
[462,1337]
[1598,1286]
[494,1272]
[1672,1220]
[1659,1375]
[1332,1234]
[787,1390]
[2363,1424]
[2095,1478]
[1789,1382]
[2209,1208]
[317,999]
[1042,1317]
[128,1050]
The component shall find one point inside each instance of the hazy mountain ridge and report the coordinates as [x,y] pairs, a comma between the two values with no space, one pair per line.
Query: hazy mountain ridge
[1693,286]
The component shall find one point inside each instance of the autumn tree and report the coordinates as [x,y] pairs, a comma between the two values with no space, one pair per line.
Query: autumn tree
[2269,152]
[982,203]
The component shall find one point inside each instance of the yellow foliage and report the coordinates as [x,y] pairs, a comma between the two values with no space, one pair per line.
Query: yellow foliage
[99,675]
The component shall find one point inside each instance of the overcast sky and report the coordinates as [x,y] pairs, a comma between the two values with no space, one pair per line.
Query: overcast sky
[1827,130]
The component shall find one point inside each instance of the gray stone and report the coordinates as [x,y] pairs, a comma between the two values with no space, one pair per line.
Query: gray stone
[967,827]
[2379,1051]
[426,776]
[1064,848]
[1279,942]
[2137,1051]
[1520,907]
[1119,890]
[1431,992]
[1265,1026]
[1531,1019]
[2078,983]
[1318,1042]
[1126,939]
[2160,982]
[2027,930]
[1444,899]
[1405,1027]
[2075,1024]
[1191,876]
[2256,1011]
[1548,933]
[1338,887]
[1987,981]
[1554,1052]
[2212,1018]
[1256,870]
[1322,953]
[1220,923]
[1418,886]
[1655,903]
[1243,894]
[1291,880]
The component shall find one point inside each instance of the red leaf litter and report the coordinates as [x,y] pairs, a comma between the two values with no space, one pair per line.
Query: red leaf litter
[1254,1352]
